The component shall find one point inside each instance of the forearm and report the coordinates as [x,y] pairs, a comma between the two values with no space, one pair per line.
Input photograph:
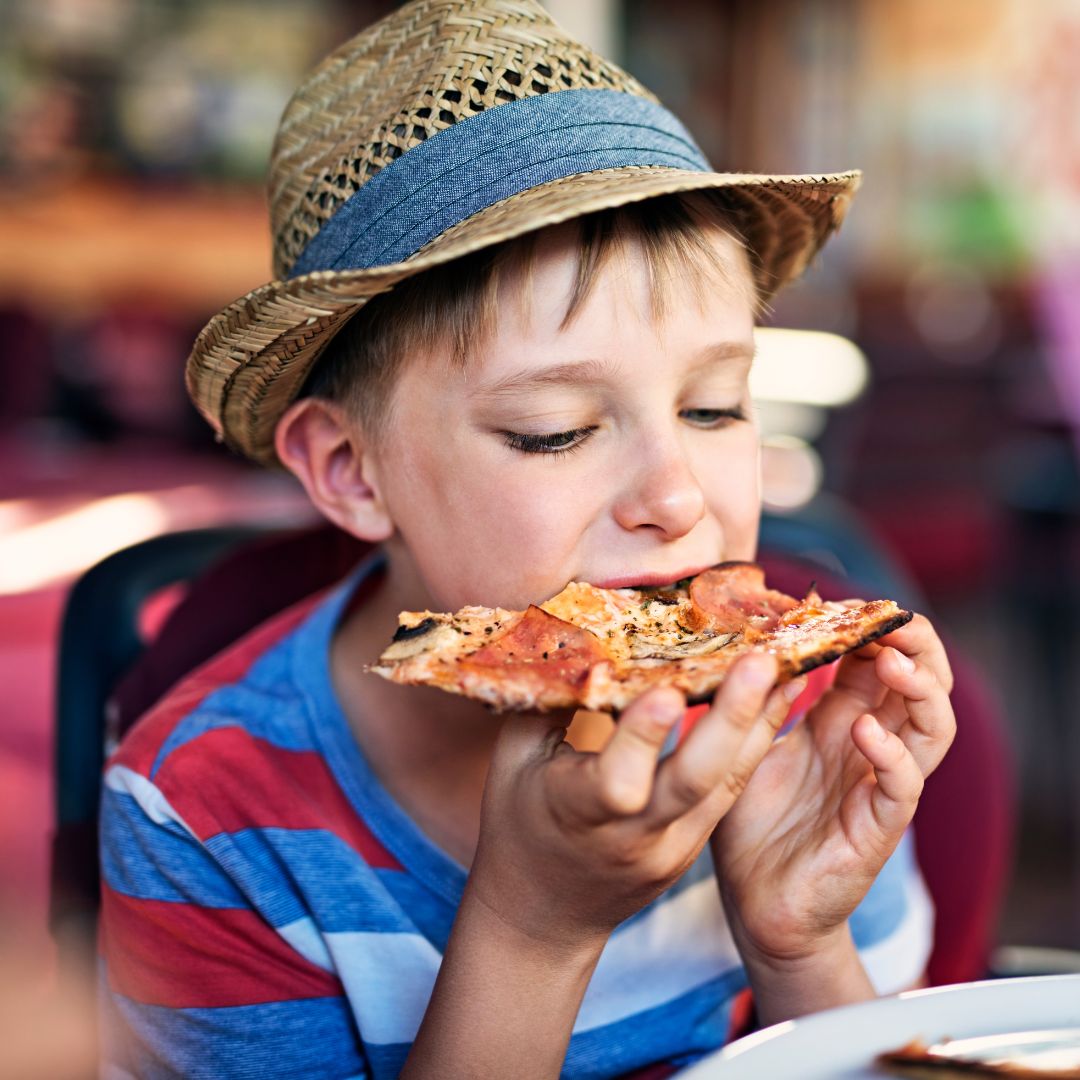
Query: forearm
[831,975]
[504,1003]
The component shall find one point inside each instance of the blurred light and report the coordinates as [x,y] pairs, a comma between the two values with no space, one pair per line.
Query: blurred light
[790,418]
[596,22]
[791,472]
[14,514]
[954,311]
[40,554]
[810,367]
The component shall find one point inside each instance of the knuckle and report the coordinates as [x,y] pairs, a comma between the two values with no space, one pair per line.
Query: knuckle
[620,797]
[742,712]
[923,683]
[948,680]
[624,851]
[647,732]
[909,778]
[914,790]
[778,709]
[690,787]
[735,781]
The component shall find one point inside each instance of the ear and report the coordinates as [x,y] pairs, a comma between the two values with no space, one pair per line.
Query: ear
[325,449]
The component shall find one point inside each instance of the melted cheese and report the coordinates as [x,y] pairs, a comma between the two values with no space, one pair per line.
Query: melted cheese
[632,628]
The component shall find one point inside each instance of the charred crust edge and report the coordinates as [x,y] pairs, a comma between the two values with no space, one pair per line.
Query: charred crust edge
[820,659]
[406,633]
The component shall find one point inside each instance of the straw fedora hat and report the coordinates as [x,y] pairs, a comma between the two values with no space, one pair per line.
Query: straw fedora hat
[449,126]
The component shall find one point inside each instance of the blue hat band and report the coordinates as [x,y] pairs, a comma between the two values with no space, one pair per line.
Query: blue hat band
[488,157]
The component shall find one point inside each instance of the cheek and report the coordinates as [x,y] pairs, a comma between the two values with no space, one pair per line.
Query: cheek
[732,483]
[480,533]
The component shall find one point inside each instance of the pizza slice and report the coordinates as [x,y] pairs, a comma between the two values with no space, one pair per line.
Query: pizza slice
[599,649]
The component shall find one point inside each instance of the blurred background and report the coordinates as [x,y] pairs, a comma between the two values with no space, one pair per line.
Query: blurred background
[945,407]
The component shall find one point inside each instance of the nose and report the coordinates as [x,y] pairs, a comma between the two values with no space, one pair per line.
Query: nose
[661,492]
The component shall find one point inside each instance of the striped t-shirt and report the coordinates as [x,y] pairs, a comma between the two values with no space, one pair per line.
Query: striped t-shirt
[269,910]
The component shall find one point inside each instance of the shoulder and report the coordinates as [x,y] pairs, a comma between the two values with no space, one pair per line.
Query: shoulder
[223,734]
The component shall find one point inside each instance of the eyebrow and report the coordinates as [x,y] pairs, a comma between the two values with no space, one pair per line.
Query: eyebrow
[592,372]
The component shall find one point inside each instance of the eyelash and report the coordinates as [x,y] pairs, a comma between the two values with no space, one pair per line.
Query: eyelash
[553,445]
[567,442]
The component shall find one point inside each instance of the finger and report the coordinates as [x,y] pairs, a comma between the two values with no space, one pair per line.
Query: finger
[725,745]
[623,772]
[526,737]
[919,640]
[929,724]
[898,779]
[856,679]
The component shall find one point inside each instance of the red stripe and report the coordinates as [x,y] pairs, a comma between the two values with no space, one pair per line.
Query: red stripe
[141,746]
[226,780]
[817,682]
[741,1018]
[188,957]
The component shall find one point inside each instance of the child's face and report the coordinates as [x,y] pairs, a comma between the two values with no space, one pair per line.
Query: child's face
[612,451]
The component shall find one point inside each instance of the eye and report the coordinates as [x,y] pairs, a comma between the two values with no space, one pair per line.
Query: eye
[713,418]
[559,442]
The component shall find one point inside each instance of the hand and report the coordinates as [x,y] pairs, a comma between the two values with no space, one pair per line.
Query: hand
[829,803]
[573,843]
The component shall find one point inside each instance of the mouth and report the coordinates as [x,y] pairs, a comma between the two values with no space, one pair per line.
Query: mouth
[651,581]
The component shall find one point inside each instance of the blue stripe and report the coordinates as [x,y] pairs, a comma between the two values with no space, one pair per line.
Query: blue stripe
[277,719]
[268,702]
[884,906]
[680,1030]
[313,1038]
[429,912]
[387,1059]
[158,862]
[489,157]
[292,873]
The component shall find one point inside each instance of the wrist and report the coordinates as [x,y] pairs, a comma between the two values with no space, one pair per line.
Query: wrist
[823,974]
[834,946]
[506,997]
[525,924]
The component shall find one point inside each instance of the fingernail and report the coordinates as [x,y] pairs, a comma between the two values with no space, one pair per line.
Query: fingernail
[759,670]
[907,665]
[879,732]
[667,705]
[793,689]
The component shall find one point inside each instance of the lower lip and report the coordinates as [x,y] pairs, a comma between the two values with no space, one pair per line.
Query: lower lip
[650,581]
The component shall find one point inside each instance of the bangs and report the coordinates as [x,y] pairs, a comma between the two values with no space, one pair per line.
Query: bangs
[451,309]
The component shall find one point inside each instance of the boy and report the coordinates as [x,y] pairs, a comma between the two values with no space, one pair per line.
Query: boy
[308,871]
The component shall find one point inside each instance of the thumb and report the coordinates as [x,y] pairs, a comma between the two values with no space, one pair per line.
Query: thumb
[525,738]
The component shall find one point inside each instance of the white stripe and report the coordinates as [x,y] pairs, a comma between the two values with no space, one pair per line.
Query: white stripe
[899,961]
[303,935]
[388,979]
[153,803]
[680,944]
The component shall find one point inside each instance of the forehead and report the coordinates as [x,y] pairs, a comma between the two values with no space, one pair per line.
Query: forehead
[557,309]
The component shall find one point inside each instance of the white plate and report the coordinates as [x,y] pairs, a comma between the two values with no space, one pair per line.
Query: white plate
[841,1044]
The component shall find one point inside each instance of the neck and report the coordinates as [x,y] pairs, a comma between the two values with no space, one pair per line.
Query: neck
[429,749]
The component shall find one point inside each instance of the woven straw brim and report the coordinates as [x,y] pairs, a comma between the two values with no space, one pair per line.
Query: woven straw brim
[250,361]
